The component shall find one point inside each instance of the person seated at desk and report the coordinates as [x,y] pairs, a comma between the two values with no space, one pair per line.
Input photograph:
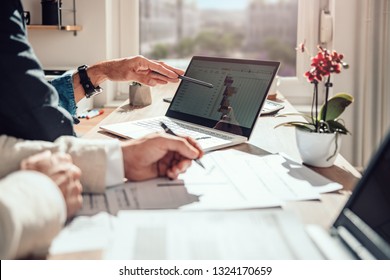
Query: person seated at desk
[30,109]
[30,105]
[32,210]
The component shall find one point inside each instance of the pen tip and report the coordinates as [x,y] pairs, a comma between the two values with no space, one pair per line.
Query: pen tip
[200,163]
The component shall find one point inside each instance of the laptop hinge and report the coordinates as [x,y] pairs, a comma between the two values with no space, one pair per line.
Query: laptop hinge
[210,129]
[331,248]
[354,244]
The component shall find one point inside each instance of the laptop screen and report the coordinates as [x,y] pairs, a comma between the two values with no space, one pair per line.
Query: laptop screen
[239,90]
[367,213]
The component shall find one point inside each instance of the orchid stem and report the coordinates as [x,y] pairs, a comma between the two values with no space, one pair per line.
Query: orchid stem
[312,109]
[316,104]
[328,84]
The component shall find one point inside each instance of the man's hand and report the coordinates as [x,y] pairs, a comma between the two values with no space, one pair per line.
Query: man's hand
[63,172]
[137,68]
[158,155]
[144,71]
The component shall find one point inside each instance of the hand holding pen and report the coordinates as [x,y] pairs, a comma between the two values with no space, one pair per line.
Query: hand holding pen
[169,131]
[158,155]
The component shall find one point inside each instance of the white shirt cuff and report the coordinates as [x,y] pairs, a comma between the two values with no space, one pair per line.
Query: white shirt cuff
[115,170]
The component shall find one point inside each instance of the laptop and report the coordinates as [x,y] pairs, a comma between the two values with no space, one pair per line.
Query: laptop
[361,231]
[363,225]
[217,117]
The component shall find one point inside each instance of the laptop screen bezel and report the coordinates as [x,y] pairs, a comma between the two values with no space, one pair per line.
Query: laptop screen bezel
[367,236]
[246,132]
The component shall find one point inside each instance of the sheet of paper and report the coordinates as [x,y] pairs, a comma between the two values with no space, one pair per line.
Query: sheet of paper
[286,178]
[269,234]
[153,194]
[178,194]
[85,234]
[217,188]
[261,176]
[317,181]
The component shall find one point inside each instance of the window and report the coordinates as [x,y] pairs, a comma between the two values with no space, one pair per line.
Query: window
[137,17]
[175,30]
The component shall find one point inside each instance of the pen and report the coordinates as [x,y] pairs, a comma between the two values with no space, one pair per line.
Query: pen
[195,81]
[169,131]
[191,80]
[170,184]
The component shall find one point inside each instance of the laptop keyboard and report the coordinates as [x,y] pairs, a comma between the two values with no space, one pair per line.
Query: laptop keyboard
[183,129]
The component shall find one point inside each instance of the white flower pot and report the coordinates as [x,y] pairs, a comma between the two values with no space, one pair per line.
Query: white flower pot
[318,149]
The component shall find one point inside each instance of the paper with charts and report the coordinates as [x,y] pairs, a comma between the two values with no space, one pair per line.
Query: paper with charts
[231,180]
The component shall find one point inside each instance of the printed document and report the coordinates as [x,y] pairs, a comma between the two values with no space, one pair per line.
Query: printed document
[231,180]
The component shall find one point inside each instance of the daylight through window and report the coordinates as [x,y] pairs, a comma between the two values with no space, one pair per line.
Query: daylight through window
[175,30]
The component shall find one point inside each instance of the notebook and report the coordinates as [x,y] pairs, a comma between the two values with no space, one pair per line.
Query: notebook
[361,231]
[221,116]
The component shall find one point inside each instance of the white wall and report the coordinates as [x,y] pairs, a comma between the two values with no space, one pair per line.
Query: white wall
[60,48]
[360,33]
[344,40]
[97,41]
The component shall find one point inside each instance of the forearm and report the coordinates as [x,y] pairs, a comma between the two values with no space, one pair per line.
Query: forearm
[97,75]
[93,157]
[136,68]
[32,212]
[70,89]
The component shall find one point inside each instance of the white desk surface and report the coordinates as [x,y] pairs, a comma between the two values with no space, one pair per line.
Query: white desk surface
[265,139]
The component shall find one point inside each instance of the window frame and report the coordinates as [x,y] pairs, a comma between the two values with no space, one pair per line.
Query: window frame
[296,89]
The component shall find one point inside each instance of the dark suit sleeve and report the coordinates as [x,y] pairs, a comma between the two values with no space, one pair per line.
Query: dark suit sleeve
[29,104]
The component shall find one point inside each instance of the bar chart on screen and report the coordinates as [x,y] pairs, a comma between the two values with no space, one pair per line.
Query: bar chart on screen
[226,96]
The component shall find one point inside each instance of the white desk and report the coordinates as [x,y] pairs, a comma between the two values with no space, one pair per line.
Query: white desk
[265,139]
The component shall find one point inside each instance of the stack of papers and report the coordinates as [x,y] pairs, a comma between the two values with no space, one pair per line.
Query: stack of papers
[231,180]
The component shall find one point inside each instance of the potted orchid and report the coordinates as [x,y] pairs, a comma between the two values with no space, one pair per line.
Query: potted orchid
[318,134]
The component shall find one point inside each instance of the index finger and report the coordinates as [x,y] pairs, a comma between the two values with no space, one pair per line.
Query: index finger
[182,146]
[165,71]
[174,69]
[196,145]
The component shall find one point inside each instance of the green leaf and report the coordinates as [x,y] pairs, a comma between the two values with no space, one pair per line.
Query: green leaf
[301,125]
[306,117]
[336,126]
[336,106]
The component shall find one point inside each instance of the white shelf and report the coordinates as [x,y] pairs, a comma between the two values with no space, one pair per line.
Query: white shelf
[55,27]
